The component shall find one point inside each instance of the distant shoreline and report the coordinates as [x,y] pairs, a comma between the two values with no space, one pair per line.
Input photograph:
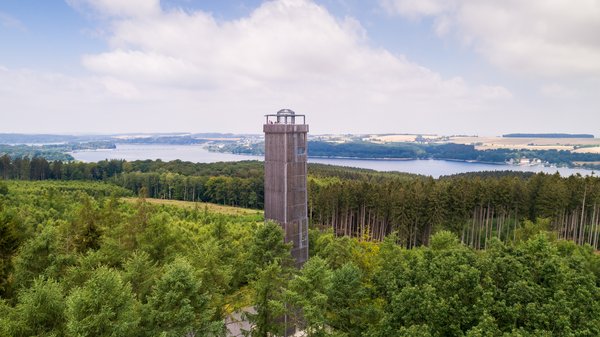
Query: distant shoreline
[403,159]
[428,167]
[382,159]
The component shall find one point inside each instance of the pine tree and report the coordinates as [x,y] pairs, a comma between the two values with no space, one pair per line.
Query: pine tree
[308,293]
[178,304]
[104,306]
[40,310]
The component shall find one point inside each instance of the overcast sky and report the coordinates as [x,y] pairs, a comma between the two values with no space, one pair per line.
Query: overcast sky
[482,67]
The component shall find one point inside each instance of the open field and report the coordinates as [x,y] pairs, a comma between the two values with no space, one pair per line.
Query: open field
[589,150]
[229,210]
[590,145]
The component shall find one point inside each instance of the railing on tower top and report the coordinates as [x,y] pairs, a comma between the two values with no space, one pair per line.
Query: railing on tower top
[284,116]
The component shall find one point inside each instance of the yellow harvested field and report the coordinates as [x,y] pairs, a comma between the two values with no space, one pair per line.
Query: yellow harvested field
[589,150]
[229,210]
[586,162]
[523,146]
[487,143]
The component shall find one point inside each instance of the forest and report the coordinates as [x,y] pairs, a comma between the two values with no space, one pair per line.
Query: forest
[363,203]
[79,259]
[474,207]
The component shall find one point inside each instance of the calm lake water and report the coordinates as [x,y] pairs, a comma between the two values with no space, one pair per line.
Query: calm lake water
[198,154]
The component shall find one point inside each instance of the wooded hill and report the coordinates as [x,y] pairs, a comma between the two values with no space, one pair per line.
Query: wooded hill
[76,260]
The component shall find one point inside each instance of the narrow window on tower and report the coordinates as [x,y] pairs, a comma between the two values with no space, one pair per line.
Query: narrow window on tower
[300,150]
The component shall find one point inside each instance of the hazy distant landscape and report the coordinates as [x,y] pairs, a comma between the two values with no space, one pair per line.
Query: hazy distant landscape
[545,150]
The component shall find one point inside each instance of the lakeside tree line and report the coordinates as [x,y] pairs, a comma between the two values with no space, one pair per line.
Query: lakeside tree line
[57,151]
[363,203]
[400,150]
[78,261]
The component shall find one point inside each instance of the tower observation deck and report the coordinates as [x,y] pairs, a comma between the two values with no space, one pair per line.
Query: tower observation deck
[286,195]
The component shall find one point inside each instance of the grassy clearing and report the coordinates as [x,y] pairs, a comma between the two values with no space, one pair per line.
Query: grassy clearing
[228,210]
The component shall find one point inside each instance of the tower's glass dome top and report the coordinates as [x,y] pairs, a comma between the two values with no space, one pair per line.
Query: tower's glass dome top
[286,112]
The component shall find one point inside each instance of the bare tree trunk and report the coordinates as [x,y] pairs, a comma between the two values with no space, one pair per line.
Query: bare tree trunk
[485,226]
[492,214]
[361,218]
[580,228]
[562,232]
[333,222]
[583,213]
[500,223]
[516,224]
[416,232]
[594,229]
[575,225]
[344,220]
[413,238]
[591,226]
[508,217]
[473,228]
[570,228]
[479,229]
[597,222]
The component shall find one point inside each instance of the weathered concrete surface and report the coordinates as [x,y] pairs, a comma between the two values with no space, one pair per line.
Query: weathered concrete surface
[286,196]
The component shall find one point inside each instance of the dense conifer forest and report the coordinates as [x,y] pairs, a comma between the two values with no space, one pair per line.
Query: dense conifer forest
[78,260]
[487,254]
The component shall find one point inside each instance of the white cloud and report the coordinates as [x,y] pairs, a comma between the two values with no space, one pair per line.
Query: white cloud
[172,70]
[119,8]
[557,38]
[286,53]
[145,67]
[9,21]
[416,8]
[35,101]
[555,90]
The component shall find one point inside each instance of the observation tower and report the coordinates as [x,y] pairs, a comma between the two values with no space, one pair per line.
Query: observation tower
[286,197]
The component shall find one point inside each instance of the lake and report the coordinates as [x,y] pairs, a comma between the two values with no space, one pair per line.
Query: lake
[198,154]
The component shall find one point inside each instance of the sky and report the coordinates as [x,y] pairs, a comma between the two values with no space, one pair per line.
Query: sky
[445,67]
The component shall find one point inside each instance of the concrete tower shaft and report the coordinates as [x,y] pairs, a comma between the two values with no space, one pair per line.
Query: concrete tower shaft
[286,197]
